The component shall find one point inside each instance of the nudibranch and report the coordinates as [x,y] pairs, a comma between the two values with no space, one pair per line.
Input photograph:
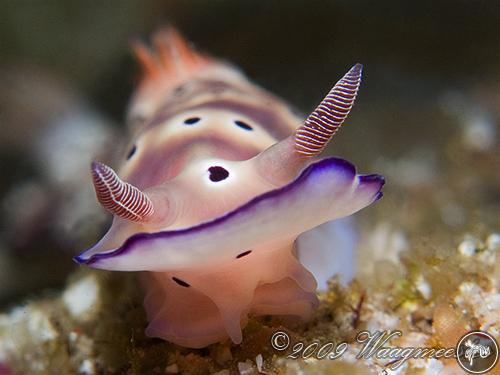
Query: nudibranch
[219,180]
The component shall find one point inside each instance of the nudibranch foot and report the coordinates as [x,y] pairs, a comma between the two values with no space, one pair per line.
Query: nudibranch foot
[195,308]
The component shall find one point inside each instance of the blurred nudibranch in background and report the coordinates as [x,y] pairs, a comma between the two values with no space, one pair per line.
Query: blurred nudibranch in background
[219,181]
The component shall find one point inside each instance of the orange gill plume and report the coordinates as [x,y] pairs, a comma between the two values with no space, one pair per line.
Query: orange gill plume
[167,65]
[118,197]
[172,56]
[312,137]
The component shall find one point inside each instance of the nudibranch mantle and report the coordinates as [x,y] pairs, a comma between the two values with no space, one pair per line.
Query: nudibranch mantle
[218,183]
[327,190]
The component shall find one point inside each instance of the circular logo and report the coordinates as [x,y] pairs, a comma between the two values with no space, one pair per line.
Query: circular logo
[280,341]
[477,352]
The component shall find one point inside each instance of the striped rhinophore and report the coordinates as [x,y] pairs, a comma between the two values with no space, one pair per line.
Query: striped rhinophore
[119,197]
[312,137]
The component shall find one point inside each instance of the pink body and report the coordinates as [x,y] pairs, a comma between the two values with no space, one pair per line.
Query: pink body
[209,208]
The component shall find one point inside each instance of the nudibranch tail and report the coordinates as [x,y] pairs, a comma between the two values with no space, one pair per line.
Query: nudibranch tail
[321,125]
[119,197]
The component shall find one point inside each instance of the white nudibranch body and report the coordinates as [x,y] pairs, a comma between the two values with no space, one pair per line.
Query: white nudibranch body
[219,180]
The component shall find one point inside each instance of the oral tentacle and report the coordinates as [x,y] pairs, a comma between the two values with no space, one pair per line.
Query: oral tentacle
[322,124]
[118,197]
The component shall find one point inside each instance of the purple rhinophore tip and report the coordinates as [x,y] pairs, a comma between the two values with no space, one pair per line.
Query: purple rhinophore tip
[357,68]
